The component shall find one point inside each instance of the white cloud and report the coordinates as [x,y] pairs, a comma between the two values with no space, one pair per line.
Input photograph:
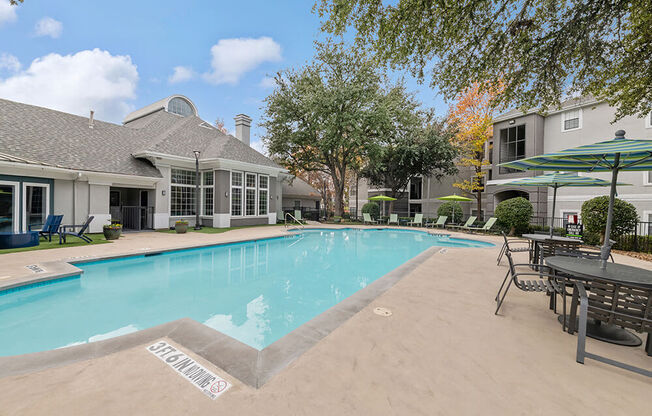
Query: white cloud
[7,12]
[181,74]
[47,26]
[9,62]
[267,82]
[90,79]
[232,58]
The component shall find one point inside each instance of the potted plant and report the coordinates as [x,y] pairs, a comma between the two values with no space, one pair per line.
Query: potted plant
[181,226]
[112,231]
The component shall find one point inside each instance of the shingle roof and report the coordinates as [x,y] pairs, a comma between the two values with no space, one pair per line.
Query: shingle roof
[297,187]
[41,135]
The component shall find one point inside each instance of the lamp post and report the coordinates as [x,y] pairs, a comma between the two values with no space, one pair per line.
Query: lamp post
[197,179]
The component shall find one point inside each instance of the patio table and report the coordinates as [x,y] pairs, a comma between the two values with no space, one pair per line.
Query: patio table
[587,269]
[539,238]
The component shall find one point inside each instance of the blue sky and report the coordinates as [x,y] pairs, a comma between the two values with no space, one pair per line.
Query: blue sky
[116,56]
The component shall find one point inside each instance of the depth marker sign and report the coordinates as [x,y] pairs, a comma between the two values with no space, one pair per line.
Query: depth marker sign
[209,384]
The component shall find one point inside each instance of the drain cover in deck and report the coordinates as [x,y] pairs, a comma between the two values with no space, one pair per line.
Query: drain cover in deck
[382,311]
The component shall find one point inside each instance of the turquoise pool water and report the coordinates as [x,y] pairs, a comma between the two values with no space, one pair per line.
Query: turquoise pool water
[255,292]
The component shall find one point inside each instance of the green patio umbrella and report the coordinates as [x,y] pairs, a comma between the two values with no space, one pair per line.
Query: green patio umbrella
[456,198]
[558,180]
[382,198]
[608,156]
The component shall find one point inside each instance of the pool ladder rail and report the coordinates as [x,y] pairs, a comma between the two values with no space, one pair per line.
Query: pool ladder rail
[298,223]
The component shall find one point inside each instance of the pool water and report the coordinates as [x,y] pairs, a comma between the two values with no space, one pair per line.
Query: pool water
[255,292]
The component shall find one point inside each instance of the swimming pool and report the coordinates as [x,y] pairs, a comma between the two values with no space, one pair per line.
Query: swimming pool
[255,292]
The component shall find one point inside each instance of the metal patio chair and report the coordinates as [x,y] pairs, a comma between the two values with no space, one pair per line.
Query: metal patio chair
[50,227]
[627,306]
[543,280]
[63,233]
[510,245]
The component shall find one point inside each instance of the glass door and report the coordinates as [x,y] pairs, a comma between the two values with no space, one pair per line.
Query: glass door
[8,198]
[35,205]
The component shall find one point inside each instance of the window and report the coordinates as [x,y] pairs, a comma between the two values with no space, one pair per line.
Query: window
[236,193]
[415,188]
[297,204]
[250,194]
[182,193]
[263,192]
[414,209]
[181,107]
[114,198]
[571,120]
[8,207]
[207,192]
[512,146]
[35,205]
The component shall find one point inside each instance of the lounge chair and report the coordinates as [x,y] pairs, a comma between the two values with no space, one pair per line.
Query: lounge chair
[467,224]
[51,226]
[418,220]
[367,219]
[63,233]
[485,228]
[297,215]
[441,222]
[626,306]
[393,218]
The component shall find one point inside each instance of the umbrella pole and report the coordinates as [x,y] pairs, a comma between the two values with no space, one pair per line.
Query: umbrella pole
[552,216]
[606,247]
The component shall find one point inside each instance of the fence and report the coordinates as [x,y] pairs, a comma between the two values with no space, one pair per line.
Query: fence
[638,239]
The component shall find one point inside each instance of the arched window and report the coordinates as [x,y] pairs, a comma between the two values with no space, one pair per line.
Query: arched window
[181,107]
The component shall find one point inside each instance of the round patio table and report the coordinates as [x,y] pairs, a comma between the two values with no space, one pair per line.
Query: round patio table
[538,238]
[587,269]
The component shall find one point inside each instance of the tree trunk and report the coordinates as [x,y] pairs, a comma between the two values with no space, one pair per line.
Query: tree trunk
[478,196]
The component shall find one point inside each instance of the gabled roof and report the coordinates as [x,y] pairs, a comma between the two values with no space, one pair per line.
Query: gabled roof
[40,135]
[297,187]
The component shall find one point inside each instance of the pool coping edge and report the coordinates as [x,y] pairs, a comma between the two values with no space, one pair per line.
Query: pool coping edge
[247,364]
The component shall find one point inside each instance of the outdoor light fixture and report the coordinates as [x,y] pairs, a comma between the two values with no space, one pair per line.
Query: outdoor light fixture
[197,179]
[226,194]
[163,192]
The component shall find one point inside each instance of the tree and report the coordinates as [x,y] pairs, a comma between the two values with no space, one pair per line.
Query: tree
[472,115]
[219,124]
[594,216]
[416,144]
[542,50]
[324,116]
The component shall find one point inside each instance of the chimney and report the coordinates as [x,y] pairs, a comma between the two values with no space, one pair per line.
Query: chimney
[90,120]
[243,128]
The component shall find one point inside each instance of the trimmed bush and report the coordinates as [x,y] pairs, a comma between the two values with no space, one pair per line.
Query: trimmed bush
[594,217]
[447,208]
[372,209]
[514,214]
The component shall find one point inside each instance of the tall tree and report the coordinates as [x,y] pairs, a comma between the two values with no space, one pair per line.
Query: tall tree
[541,50]
[472,115]
[324,116]
[416,144]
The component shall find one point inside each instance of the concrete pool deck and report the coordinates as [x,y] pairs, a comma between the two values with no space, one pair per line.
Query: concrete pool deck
[441,352]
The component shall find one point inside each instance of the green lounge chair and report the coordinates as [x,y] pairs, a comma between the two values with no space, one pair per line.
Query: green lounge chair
[297,215]
[485,228]
[393,218]
[467,224]
[441,221]
[367,219]
[418,219]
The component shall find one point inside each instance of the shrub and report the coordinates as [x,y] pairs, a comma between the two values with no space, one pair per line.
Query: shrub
[594,217]
[372,209]
[515,214]
[447,209]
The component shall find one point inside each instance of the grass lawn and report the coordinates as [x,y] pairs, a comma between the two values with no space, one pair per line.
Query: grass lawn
[72,242]
[211,230]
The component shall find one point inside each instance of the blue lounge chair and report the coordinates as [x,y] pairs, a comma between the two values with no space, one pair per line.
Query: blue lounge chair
[51,226]
[80,234]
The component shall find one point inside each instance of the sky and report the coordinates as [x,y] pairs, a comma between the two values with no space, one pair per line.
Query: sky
[117,56]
